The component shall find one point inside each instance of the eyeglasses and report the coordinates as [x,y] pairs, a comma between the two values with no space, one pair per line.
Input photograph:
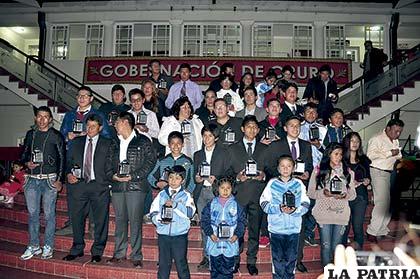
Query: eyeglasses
[83,96]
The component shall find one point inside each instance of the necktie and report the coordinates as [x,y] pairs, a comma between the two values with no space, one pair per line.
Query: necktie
[183,90]
[294,151]
[294,110]
[88,162]
[173,192]
[249,150]
[80,115]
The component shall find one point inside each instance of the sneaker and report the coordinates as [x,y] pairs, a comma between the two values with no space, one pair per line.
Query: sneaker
[30,252]
[310,242]
[147,219]
[264,242]
[47,252]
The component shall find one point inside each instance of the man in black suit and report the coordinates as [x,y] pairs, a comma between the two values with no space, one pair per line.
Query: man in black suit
[89,173]
[210,163]
[290,108]
[321,90]
[373,62]
[249,186]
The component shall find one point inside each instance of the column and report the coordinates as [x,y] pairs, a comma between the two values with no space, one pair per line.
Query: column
[386,38]
[176,40]
[108,43]
[246,37]
[319,40]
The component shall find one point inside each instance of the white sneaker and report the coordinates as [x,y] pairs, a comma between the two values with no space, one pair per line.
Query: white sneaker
[47,252]
[30,252]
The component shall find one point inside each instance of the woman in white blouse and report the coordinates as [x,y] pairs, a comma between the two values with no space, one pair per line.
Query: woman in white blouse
[235,103]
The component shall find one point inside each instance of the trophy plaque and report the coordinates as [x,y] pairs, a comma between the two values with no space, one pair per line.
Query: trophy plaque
[289,199]
[313,133]
[345,130]
[185,127]
[124,169]
[141,118]
[299,167]
[112,117]
[251,168]
[167,213]
[212,117]
[205,170]
[270,133]
[165,174]
[37,156]
[223,231]
[228,99]
[76,171]
[229,136]
[77,126]
[162,84]
[336,185]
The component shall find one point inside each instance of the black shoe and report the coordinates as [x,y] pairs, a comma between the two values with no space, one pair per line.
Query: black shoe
[301,268]
[236,269]
[252,269]
[137,263]
[96,259]
[204,264]
[71,257]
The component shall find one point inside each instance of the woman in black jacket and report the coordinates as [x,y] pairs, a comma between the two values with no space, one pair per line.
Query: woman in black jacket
[359,163]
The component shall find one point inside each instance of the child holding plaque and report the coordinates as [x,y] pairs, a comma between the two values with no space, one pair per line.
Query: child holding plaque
[223,222]
[332,187]
[285,201]
[171,212]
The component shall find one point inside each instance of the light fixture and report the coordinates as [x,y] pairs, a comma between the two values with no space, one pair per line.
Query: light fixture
[375,28]
[19,29]
[348,52]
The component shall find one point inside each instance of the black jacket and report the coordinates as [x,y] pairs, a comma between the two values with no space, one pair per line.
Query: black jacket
[286,112]
[53,152]
[316,89]
[142,158]
[265,124]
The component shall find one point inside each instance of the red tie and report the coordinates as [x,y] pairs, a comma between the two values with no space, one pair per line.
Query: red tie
[88,162]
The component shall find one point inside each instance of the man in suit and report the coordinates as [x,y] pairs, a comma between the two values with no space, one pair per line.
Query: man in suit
[249,186]
[373,62]
[229,127]
[290,108]
[271,121]
[301,151]
[250,99]
[212,155]
[89,172]
[321,90]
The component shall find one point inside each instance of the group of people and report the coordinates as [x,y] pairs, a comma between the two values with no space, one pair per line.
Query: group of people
[240,157]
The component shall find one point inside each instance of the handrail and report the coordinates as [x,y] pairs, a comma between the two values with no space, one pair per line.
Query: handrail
[65,76]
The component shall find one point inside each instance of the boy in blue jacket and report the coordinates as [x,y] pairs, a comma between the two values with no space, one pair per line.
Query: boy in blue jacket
[223,221]
[285,201]
[171,212]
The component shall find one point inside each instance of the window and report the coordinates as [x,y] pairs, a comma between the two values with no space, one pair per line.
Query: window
[335,41]
[94,40]
[212,40]
[124,40]
[262,40]
[59,42]
[161,38]
[302,41]
[375,34]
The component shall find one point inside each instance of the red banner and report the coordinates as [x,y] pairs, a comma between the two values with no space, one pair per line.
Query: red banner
[109,70]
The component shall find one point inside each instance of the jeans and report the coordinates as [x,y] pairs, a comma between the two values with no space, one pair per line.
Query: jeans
[358,210]
[331,235]
[284,249]
[35,189]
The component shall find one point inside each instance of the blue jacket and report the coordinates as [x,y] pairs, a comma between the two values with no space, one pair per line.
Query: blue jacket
[335,134]
[271,200]
[184,208]
[169,161]
[213,214]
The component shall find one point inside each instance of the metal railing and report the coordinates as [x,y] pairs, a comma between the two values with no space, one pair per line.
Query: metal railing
[383,83]
[43,77]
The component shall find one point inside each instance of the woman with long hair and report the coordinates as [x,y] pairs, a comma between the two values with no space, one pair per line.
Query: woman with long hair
[206,111]
[359,163]
[332,187]
[247,80]
[152,100]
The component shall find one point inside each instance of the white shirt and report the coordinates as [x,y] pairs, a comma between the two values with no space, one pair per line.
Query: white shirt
[289,141]
[249,112]
[85,111]
[379,151]
[94,142]
[236,100]
[176,191]
[151,123]
[209,154]
[291,106]
[124,145]
[326,88]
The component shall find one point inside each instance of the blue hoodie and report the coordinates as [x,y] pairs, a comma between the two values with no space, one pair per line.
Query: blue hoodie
[271,200]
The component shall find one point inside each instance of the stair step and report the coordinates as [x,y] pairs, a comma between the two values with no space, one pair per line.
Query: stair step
[9,272]
[82,268]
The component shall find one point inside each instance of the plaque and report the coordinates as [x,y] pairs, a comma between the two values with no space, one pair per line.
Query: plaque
[289,199]
[76,171]
[229,135]
[270,133]
[124,169]
[205,170]
[228,99]
[141,118]
[336,185]
[223,231]
[77,126]
[167,213]
[165,175]
[212,117]
[112,117]
[162,84]
[313,133]
[346,130]
[299,167]
[186,127]
[251,168]
[37,156]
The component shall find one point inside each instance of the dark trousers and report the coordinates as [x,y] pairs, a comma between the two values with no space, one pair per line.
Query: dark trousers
[84,197]
[128,207]
[264,225]
[357,218]
[221,267]
[284,253]
[254,217]
[309,222]
[173,248]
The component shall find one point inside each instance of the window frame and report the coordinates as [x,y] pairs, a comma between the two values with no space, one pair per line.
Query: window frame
[67,44]
[101,39]
[312,40]
[253,38]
